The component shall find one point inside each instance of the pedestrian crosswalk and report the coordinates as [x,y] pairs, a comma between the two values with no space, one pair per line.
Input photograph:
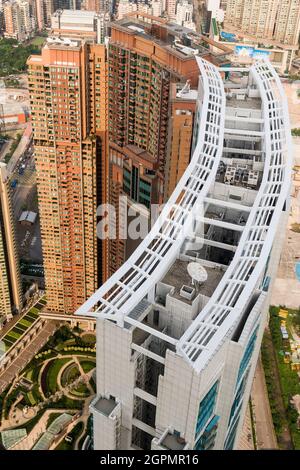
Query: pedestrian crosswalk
[27,179]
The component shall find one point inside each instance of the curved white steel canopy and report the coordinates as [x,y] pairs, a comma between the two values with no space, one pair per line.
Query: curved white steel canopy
[224,308]
[153,257]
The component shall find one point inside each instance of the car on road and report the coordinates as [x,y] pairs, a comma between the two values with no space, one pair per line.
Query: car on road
[14,183]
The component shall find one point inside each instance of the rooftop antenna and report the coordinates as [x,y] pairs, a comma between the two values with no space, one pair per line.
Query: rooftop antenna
[197,272]
[186,89]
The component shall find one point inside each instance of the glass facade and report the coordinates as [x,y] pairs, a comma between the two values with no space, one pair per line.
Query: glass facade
[247,354]
[240,390]
[136,187]
[229,443]
[206,408]
[207,439]
[238,399]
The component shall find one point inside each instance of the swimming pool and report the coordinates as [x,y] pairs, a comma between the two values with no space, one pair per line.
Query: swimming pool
[297,269]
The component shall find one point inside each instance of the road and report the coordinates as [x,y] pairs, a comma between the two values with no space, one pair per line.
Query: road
[20,150]
[265,434]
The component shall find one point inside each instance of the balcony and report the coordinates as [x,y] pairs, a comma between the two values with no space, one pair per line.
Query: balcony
[169,441]
[103,405]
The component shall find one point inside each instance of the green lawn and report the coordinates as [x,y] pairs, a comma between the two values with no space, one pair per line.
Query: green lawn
[25,323]
[34,310]
[8,344]
[14,334]
[81,391]
[289,380]
[51,418]
[29,374]
[52,374]
[89,338]
[30,318]
[76,431]
[9,338]
[37,41]
[70,374]
[78,353]
[20,327]
[19,330]
[87,365]
[31,398]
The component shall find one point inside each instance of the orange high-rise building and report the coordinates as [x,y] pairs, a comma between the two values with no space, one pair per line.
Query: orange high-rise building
[11,300]
[67,85]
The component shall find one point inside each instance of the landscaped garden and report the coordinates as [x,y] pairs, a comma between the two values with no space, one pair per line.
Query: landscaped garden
[87,365]
[74,434]
[59,377]
[283,381]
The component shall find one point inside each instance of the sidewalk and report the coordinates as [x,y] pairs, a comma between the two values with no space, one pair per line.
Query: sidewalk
[265,434]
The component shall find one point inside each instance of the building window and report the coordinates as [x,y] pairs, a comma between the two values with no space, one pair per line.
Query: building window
[207,440]
[247,354]
[206,408]
[231,437]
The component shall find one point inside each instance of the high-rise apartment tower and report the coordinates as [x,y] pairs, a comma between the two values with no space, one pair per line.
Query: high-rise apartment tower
[67,85]
[266,19]
[10,283]
[148,59]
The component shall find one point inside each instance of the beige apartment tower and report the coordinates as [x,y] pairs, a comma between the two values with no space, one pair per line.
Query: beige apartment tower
[266,19]
[68,106]
[10,285]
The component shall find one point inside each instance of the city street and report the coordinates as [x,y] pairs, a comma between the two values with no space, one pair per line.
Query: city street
[25,198]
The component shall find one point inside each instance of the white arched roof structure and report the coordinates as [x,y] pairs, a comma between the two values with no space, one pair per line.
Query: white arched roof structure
[138,276]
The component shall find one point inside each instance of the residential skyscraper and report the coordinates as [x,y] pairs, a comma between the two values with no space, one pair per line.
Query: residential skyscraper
[156,7]
[14,20]
[287,25]
[10,281]
[19,19]
[171,9]
[141,72]
[184,12]
[44,9]
[147,57]
[88,25]
[266,19]
[180,131]
[67,86]
[179,326]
